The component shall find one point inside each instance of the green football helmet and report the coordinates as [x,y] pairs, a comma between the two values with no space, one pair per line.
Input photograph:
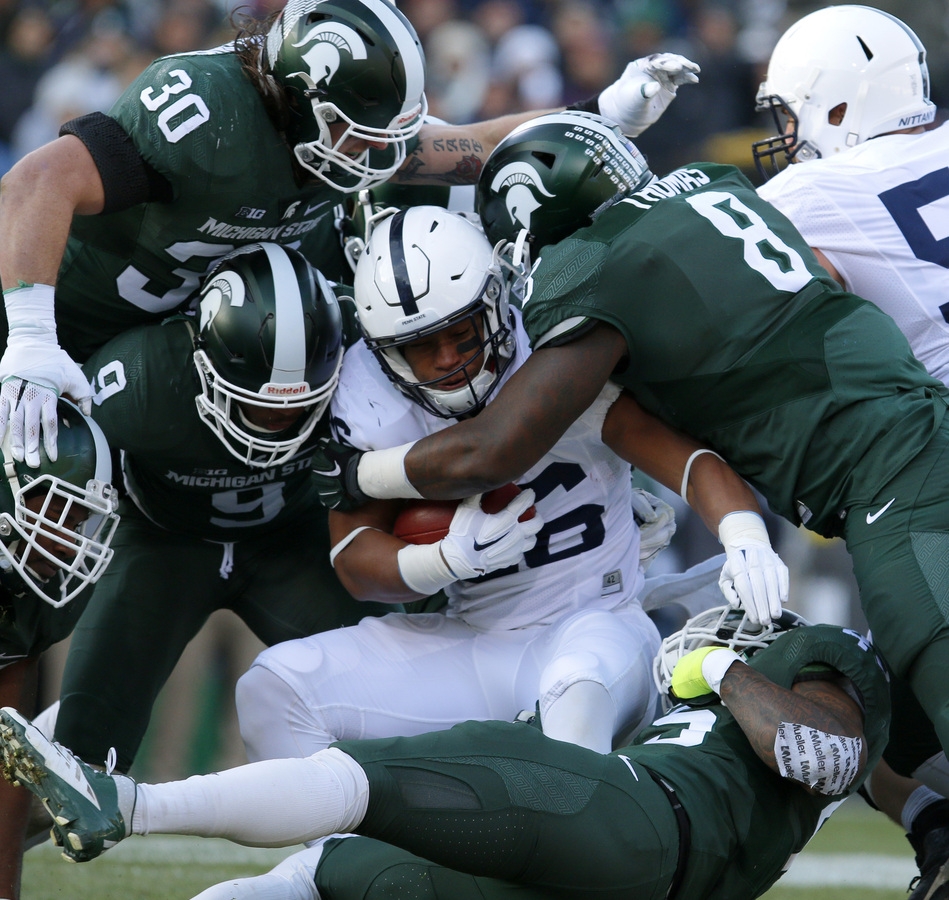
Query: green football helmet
[551,175]
[723,626]
[353,62]
[57,521]
[270,344]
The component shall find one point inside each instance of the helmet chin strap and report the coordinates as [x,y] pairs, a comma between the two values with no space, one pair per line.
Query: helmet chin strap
[9,471]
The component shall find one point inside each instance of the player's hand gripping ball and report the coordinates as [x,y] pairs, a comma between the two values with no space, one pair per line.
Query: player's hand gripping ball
[428,521]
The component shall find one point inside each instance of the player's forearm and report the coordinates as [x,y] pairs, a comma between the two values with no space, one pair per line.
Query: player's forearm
[455,154]
[712,488]
[365,554]
[38,198]
[369,569]
[761,707]
[531,412]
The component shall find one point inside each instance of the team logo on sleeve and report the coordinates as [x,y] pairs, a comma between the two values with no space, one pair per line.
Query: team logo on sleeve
[519,184]
[330,41]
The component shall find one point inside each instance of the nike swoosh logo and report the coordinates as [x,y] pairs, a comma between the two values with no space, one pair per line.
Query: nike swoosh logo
[479,547]
[336,471]
[313,209]
[872,517]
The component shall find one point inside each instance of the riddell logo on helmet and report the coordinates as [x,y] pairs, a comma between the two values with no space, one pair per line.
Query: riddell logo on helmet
[277,390]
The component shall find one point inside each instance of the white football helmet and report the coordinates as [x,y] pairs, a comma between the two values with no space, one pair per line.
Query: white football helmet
[425,269]
[722,626]
[853,55]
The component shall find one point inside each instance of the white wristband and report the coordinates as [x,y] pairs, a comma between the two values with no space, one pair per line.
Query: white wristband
[683,489]
[423,568]
[716,664]
[381,474]
[741,527]
[30,309]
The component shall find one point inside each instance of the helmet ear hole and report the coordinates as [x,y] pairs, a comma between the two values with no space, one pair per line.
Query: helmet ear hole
[837,114]
[547,160]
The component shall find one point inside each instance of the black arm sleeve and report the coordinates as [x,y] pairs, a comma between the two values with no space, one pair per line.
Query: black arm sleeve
[127,178]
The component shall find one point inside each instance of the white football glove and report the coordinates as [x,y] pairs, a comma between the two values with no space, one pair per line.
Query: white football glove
[753,578]
[647,86]
[480,542]
[35,371]
[657,524]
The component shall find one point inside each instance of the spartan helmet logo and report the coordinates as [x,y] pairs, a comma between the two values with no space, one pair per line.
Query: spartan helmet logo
[330,40]
[519,183]
[227,286]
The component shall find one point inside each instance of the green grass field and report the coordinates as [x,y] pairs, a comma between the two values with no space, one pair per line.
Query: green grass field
[858,855]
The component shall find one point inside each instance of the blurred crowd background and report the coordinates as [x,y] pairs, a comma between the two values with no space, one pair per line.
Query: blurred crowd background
[64,58]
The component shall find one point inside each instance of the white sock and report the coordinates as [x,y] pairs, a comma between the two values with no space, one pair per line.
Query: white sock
[915,803]
[291,879]
[273,803]
[934,773]
[583,714]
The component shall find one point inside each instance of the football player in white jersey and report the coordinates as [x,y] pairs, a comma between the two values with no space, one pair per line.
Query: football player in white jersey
[548,608]
[850,85]
[849,90]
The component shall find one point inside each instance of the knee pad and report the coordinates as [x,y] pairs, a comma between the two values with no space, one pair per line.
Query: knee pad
[274,722]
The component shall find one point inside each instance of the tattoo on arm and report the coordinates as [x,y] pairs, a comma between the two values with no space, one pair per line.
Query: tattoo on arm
[759,705]
[429,161]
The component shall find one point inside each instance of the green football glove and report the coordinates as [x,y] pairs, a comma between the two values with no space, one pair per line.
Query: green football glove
[700,672]
[335,474]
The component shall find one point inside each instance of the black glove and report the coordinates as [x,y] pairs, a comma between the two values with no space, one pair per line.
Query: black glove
[334,471]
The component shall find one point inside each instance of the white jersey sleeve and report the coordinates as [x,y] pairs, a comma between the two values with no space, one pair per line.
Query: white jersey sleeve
[587,553]
[879,212]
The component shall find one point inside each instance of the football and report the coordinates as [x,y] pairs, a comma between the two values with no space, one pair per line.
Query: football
[428,521]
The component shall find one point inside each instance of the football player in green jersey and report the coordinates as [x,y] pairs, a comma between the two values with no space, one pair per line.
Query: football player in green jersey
[217,416]
[704,302]
[56,525]
[257,140]
[710,802]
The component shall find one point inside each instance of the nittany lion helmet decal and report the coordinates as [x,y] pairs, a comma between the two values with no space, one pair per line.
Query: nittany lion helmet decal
[354,63]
